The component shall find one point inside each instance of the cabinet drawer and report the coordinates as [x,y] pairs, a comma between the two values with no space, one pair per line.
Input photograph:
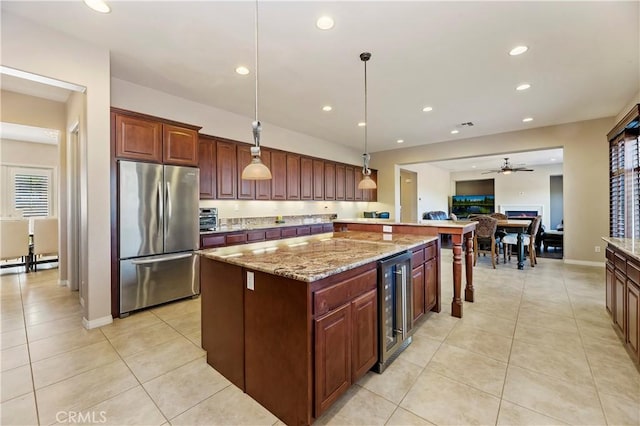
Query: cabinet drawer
[236,239]
[609,254]
[430,251]
[330,298]
[317,229]
[303,230]
[327,227]
[272,234]
[255,236]
[417,258]
[633,272]
[209,241]
[621,263]
[288,232]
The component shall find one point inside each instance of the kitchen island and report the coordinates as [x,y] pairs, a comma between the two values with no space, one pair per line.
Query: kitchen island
[294,322]
[461,233]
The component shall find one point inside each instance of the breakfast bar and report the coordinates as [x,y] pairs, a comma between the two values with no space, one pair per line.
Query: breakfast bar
[461,233]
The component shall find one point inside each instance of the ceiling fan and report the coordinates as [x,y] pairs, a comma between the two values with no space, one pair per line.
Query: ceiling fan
[508,169]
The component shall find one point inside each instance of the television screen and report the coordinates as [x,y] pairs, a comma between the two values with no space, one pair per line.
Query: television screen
[464,205]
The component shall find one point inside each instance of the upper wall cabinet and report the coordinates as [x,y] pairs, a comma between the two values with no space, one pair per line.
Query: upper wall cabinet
[226,169]
[306,178]
[207,165]
[145,138]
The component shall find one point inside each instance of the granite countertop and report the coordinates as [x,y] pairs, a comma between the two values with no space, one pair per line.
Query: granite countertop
[313,258]
[426,223]
[226,229]
[630,246]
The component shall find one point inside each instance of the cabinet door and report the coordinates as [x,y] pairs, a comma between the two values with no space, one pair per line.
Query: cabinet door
[332,357]
[349,184]
[610,280]
[207,165]
[340,182]
[364,350]
[226,169]
[619,305]
[138,139]
[306,178]
[246,188]
[357,177]
[417,279]
[430,284]
[279,175]
[293,177]
[263,187]
[371,194]
[329,181]
[633,318]
[180,145]
[318,180]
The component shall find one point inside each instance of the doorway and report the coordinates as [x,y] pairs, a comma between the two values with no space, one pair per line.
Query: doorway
[408,196]
[555,201]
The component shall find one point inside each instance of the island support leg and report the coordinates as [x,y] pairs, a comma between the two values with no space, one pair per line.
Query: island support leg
[456,304]
[469,290]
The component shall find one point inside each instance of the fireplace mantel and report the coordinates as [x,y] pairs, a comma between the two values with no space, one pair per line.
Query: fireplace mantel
[537,208]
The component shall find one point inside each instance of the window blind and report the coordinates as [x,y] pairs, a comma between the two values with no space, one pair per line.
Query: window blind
[31,192]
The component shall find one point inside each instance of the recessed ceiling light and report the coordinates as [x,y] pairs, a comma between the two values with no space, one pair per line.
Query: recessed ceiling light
[324,23]
[523,86]
[526,120]
[98,5]
[518,50]
[242,70]
[327,108]
[427,109]
[362,124]
[473,167]
[400,141]
[553,159]
[455,132]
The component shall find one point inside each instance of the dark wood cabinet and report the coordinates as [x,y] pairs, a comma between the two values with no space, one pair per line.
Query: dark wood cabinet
[212,240]
[226,169]
[332,356]
[318,180]
[632,318]
[619,292]
[180,145]
[609,285]
[357,177]
[306,178]
[246,188]
[145,138]
[329,181]
[263,187]
[364,350]
[417,279]
[431,284]
[138,138]
[349,185]
[371,194]
[340,182]
[207,166]
[279,175]
[293,177]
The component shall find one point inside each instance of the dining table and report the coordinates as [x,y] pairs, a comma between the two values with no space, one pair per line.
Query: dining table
[518,226]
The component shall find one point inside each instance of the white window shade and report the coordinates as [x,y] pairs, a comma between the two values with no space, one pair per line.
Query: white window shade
[28,191]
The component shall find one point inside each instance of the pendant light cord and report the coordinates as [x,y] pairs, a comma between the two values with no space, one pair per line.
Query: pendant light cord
[256,58]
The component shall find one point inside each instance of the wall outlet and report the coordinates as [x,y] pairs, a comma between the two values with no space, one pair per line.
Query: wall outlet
[250,281]
[597,248]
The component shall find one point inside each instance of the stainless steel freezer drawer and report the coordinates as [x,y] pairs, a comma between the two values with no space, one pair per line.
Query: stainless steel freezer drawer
[148,281]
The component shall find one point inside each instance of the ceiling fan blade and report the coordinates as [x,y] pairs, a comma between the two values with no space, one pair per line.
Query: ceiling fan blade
[521,169]
[491,171]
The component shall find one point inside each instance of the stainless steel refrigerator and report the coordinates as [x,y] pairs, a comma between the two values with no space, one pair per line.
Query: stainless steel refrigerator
[159,231]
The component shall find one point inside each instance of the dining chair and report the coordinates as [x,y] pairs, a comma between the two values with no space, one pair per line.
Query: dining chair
[485,234]
[45,238]
[14,239]
[500,233]
[528,241]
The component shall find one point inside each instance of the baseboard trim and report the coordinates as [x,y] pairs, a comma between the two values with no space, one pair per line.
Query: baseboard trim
[98,322]
[584,263]
[63,283]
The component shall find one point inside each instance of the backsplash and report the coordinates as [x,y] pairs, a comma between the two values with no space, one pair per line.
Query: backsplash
[248,222]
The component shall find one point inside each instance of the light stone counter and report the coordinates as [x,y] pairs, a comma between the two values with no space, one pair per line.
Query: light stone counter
[629,246]
[312,258]
[423,223]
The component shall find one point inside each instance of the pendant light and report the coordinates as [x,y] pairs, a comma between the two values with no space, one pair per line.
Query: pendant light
[256,170]
[366,182]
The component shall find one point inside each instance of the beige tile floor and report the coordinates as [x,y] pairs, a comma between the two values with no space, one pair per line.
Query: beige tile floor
[536,348]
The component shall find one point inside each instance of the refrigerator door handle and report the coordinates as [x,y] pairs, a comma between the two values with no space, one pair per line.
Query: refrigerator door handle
[161,259]
[168,201]
[159,204]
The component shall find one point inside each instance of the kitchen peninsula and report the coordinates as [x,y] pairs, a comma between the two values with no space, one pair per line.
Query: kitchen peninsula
[461,233]
[294,322]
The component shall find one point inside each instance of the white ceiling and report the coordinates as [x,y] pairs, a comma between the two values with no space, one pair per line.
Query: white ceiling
[494,162]
[583,61]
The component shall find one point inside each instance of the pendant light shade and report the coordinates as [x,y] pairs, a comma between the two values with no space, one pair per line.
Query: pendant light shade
[366,182]
[256,170]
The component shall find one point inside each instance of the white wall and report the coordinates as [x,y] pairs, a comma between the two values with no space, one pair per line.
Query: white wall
[520,188]
[32,48]
[433,187]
